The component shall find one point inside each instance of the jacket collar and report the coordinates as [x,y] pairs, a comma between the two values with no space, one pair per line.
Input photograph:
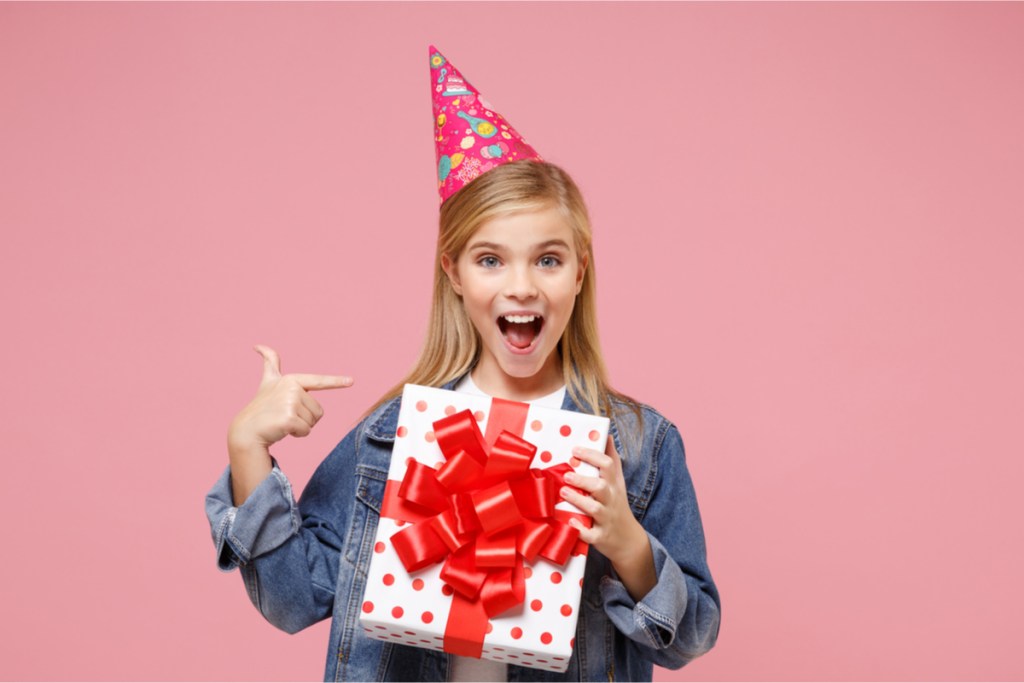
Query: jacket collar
[382,424]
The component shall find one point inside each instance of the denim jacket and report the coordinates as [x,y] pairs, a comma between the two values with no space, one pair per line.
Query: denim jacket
[308,561]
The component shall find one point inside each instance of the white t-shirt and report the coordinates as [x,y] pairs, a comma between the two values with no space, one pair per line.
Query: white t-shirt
[471,668]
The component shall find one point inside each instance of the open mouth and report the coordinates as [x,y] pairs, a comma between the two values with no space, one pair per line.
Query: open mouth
[520,331]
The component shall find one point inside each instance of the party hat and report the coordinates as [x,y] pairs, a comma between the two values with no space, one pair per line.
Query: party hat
[471,138]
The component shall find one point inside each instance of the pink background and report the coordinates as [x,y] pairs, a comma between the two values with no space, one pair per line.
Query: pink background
[808,240]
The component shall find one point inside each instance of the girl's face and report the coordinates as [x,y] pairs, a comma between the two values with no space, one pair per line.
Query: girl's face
[518,278]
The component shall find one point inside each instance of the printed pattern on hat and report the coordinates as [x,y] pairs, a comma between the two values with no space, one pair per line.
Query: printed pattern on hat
[470,137]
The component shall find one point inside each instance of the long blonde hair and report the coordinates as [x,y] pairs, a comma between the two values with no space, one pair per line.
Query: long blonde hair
[452,344]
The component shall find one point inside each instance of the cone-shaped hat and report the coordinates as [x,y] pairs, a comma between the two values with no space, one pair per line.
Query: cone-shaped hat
[471,138]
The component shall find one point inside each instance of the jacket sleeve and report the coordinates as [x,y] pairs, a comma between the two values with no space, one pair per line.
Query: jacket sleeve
[287,552]
[678,620]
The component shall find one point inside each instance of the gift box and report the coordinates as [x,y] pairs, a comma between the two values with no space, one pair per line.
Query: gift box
[473,553]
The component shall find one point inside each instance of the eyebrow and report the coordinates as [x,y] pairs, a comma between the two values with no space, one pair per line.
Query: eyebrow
[498,247]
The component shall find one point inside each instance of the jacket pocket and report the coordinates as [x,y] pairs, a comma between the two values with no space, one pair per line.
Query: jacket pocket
[365,514]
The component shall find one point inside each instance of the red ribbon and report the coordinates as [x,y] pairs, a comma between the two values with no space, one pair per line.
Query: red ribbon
[483,513]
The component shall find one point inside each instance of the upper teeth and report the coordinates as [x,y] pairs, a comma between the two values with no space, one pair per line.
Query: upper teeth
[520,318]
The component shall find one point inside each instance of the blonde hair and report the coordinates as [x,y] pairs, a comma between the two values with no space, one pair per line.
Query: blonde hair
[452,344]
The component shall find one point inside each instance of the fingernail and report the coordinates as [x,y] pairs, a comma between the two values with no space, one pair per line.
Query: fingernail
[569,476]
[577,450]
[564,491]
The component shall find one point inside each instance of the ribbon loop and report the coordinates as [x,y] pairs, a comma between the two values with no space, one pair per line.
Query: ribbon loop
[496,508]
[503,590]
[459,432]
[420,486]
[560,544]
[418,546]
[446,526]
[465,513]
[460,472]
[498,550]
[510,457]
[535,494]
[532,538]
[461,574]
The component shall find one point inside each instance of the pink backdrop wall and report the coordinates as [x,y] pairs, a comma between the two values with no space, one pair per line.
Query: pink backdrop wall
[809,254]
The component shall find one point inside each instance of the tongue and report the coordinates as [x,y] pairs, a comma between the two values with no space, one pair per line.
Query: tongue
[520,335]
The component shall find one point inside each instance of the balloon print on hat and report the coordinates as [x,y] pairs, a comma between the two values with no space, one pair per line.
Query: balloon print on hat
[494,151]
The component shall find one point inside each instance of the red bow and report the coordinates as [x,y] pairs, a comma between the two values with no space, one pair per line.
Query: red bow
[484,512]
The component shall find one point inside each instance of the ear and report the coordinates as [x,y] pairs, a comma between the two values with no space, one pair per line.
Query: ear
[584,261]
[452,271]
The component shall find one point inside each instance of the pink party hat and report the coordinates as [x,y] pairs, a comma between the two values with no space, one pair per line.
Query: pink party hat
[471,138]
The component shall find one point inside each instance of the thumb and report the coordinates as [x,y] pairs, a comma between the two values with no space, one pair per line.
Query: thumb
[271,363]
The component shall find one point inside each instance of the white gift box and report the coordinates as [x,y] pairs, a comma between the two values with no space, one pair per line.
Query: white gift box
[413,608]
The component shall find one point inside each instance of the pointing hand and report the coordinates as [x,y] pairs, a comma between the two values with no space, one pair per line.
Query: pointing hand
[282,405]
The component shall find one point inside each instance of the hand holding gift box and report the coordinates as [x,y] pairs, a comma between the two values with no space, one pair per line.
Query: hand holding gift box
[473,552]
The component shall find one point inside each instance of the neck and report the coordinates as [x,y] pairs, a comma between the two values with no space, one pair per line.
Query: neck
[493,381]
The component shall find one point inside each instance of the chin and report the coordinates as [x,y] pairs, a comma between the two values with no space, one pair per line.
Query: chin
[521,371]
[524,367]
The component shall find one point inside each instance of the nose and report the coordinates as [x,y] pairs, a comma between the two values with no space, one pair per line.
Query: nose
[520,284]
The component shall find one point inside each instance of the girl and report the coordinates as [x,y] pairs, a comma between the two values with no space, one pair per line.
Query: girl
[513,316]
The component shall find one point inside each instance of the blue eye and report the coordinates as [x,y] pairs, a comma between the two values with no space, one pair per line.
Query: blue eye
[549,261]
[488,262]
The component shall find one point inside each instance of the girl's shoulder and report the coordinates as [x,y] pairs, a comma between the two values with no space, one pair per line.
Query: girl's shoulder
[651,451]
[637,416]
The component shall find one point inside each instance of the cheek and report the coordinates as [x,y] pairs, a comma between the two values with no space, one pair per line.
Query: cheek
[567,292]
[476,306]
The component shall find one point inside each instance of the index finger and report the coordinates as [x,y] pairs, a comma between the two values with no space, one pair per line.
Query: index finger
[592,456]
[319,382]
